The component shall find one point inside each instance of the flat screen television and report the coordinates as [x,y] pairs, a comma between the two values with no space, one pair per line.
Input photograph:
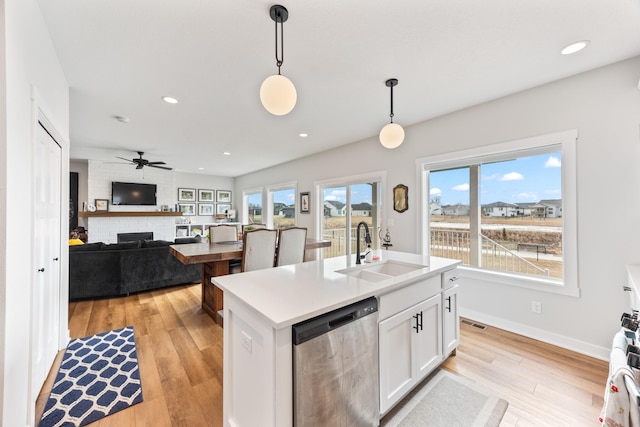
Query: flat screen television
[128,193]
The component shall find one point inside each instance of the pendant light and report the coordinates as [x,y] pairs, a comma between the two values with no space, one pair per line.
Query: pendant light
[392,135]
[277,93]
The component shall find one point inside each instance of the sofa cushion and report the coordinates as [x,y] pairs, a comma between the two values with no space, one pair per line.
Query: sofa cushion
[119,246]
[87,247]
[182,240]
[154,243]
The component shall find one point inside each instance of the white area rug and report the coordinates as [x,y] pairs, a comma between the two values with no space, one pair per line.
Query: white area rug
[447,400]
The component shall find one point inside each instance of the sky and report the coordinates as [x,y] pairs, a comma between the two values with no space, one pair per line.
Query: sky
[526,179]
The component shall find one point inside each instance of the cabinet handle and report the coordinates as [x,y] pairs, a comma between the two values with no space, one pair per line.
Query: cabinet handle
[454,278]
[449,306]
[55,259]
[626,288]
[418,326]
[40,270]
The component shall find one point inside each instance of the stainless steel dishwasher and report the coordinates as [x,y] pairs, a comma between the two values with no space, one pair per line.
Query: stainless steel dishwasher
[335,368]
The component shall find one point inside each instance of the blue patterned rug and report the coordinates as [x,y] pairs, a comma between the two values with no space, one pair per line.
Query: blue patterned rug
[98,376]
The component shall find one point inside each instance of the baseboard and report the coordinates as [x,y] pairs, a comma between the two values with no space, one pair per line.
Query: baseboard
[569,343]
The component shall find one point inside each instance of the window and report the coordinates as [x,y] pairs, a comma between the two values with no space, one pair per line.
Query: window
[501,210]
[282,206]
[252,206]
[345,204]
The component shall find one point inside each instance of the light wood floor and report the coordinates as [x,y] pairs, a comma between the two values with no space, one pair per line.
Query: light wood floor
[180,355]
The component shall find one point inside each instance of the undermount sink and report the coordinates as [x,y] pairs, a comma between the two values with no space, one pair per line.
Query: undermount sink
[379,271]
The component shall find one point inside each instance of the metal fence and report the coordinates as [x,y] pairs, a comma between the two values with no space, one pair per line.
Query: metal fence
[456,244]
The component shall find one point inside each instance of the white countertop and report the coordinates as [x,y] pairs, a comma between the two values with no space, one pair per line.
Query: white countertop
[290,294]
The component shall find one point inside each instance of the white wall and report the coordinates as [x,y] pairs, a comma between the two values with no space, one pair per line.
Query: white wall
[101,174]
[30,62]
[604,105]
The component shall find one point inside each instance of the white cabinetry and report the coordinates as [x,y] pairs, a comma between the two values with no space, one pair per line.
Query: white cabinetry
[201,229]
[450,316]
[450,320]
[410,345]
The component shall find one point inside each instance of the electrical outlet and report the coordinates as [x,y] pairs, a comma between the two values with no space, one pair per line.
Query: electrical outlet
[536,307]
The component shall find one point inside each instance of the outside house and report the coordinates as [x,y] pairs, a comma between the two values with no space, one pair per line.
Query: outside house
[457,209]
[334,208]
[361,209]
[552,208]
[500,209]
[435,209]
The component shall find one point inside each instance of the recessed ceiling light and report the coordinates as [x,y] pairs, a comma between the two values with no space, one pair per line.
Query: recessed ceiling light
[226,153]
[575,47]
[200,169]
[169,100]
[304,135]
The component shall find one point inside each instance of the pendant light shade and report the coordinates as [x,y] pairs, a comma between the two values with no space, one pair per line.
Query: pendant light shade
[277,93]
[392,135]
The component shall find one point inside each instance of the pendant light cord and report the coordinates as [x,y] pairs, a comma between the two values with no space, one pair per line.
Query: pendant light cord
[391,115]
[279,61]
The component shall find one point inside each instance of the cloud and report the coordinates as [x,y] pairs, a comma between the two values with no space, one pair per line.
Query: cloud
[461,187]
[528,196]
[512,176]
[435,192]
[490,177]
[552,162]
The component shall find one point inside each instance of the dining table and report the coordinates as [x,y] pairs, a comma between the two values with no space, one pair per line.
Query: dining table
[215,259]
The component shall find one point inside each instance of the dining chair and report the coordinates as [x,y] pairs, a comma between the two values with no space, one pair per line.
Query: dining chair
[258,249]
[291,242]
[223,233]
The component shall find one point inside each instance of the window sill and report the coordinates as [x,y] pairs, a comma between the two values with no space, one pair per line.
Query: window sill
[554,286]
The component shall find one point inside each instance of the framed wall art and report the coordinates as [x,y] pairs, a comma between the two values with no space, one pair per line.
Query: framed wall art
[304,202]
[205,209]
[400,198]
[223,208]
[223,196]
[188,209]
[206,195]
[186,195]
[102,205]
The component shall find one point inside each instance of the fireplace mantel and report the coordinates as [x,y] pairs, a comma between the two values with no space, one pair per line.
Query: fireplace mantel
[113,214]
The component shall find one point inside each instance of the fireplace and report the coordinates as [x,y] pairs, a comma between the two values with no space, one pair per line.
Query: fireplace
[129,237]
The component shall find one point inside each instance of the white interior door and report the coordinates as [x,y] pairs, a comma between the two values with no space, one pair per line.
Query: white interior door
[47,234]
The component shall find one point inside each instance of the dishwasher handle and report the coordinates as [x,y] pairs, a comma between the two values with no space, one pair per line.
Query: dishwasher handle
[327,322]
[336,323]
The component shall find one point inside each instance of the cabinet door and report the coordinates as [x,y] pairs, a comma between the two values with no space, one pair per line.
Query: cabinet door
[397,371]
[450,320]
[410,348]
[427,343]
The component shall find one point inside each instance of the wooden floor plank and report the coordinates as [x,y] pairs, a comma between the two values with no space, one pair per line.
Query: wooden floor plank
[180,352]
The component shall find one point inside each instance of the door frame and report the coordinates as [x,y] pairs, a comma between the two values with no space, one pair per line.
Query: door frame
[41,114]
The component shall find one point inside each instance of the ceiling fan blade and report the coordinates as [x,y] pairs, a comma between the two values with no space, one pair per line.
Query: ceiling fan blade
[159,167]
[122,158]
[155,163]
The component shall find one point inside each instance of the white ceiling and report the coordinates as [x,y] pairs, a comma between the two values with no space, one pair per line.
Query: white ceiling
[121,56]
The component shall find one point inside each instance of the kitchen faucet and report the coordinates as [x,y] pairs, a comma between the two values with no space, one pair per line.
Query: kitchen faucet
[367,239]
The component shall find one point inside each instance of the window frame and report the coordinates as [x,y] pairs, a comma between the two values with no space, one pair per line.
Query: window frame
[566,142]
[347,181]
[270,189]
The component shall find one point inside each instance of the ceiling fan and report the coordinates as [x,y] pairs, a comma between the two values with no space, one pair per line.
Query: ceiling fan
[140,162]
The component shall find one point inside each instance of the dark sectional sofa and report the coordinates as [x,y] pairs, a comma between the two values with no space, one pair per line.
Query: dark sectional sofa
[98,270]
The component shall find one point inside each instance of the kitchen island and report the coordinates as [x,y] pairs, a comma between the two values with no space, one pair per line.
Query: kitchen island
[262,306]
